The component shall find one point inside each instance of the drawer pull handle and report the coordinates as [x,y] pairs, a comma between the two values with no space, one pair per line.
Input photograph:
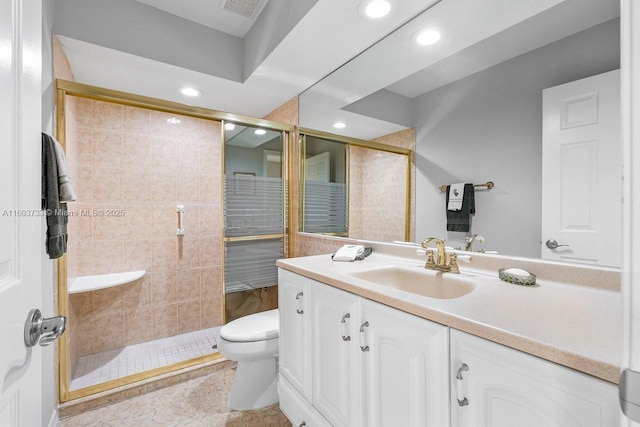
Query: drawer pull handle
[462,401]
[363,343]
[299,309]
[345,328]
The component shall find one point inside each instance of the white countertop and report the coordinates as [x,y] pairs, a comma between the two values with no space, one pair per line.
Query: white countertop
[572,324]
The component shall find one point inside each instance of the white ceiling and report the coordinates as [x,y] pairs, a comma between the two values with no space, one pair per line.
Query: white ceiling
[475,36]
[208,13]
[330,33]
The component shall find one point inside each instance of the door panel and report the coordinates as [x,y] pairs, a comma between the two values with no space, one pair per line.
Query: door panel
[506,388]
[582,171]
[405,383]
[20,216]
[294,310]
[335,368]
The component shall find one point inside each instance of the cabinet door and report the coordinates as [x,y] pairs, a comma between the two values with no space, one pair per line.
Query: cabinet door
[295,352]
[405,359]
[336,376]
[506,388]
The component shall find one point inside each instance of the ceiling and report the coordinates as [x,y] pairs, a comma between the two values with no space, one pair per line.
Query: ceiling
[251,66]
[475,36]
[135,47]
[213,14]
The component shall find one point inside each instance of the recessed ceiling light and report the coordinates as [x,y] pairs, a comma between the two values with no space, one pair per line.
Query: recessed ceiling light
[339,125]
[190,91]
[377,9]
[260,132]
[427,37]
[229,126]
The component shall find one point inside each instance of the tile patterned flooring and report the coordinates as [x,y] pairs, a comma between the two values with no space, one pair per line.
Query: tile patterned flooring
[113,364]
[200,402]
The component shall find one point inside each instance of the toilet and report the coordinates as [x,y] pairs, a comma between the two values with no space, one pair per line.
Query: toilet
[252,341]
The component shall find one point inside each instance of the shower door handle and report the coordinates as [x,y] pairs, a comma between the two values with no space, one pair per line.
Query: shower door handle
[38,330]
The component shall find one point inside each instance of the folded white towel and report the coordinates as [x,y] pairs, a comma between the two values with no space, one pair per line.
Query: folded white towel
[348,253]
[456,193]
[65,189]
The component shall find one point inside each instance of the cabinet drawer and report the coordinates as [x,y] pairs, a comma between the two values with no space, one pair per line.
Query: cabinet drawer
[297,409]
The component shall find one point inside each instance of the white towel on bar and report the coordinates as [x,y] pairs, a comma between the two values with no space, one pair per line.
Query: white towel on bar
[456,193]
[65,189]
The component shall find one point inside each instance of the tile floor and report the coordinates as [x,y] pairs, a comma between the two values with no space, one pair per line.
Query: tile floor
[113,364]
[200,402]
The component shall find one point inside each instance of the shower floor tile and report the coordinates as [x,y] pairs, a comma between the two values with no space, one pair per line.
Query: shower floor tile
[113,364]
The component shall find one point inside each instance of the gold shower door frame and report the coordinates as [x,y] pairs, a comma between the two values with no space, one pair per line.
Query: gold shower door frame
[64,88]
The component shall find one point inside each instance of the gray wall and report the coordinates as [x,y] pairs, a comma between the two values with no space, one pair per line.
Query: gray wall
[133,27]
[488,126]
[242,159]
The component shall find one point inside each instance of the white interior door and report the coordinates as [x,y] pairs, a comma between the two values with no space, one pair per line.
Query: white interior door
[318,167]
[582,171]
[20,223]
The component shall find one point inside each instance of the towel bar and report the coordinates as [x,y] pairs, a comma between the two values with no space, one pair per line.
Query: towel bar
[488,184]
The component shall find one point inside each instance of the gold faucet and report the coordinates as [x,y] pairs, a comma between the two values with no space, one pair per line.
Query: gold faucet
[469,241]
[440,263]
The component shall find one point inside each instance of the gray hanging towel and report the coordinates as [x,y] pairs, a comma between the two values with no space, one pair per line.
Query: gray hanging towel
[56,240]
[461,220]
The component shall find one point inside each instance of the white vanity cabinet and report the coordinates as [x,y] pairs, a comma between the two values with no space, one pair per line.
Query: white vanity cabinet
[295,351]
[336,366]
[495,386]
[405,368]
[370,365]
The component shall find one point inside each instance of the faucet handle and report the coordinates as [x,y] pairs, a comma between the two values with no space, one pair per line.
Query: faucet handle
[429,254]
[453,263]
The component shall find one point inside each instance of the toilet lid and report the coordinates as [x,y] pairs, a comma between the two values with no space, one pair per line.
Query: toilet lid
[254,327]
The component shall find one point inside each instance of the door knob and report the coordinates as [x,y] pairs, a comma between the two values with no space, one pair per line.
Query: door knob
[552,244]
[38,330]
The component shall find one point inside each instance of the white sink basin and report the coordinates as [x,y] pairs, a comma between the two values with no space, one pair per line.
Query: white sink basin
[418,280]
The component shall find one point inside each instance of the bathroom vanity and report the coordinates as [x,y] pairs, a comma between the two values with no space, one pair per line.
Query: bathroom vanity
[384,342]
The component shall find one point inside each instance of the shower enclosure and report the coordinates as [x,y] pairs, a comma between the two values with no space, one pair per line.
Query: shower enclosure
[143,282]
[254,218]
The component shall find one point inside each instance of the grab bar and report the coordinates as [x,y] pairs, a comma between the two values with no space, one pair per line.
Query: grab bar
[180,210]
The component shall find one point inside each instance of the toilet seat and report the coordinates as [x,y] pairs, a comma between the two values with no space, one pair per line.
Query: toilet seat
[254,327]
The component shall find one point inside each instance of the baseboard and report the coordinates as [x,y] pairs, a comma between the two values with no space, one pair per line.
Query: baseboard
[53,420]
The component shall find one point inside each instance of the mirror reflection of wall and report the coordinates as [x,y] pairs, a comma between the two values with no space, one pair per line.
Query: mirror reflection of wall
[354,188]
[324,186]
[488,126]
[254,218]
[378,187]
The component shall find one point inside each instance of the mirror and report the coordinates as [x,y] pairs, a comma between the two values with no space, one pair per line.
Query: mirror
[475,100]
[353,188]
[323,170]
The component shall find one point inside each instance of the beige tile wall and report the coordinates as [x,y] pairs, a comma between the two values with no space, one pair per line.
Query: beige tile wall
[139,165]
[377,195]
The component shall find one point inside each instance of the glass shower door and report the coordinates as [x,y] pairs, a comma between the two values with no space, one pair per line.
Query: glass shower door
[254,218]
